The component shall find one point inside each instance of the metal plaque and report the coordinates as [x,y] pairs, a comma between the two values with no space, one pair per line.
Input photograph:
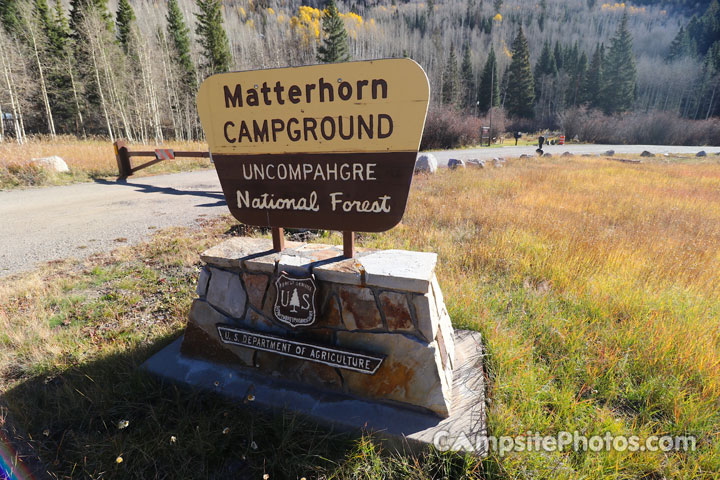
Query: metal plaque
[325,354]
[295,300]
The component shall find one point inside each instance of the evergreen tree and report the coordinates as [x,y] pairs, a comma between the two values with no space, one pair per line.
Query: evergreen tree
[592,85]
[60,84]
[468,78]
[78,8]
[570,61]
[10,15]
[451,79]
[124,23]
[699,35]
[521,86]
[54,25]
[212,36]
[545,65]
[574,93]
[680,46]
[489,91]
[179,35]
[559,57]
[620,73]
[335,42]
[710,88]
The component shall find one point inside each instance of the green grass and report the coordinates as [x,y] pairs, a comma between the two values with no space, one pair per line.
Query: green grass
[595,284]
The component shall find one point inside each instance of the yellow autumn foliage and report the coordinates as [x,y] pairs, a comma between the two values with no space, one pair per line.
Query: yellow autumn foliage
[308,23]
[497,18]
[611,7]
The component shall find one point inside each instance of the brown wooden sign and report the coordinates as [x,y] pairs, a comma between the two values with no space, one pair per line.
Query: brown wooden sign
[325,146]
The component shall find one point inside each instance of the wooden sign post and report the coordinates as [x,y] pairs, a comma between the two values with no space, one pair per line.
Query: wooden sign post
[328,147]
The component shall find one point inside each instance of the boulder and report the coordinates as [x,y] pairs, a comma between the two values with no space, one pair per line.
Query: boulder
[567,154]
[53,163]
[701,153]
[524,155]
[609,153]
[426,163]
[474,162]
[547,154]
[454,163]
[645,153]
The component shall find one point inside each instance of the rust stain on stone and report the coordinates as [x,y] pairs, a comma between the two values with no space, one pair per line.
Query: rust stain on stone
[359,309]
[392,381]
[331,317]
[397,312]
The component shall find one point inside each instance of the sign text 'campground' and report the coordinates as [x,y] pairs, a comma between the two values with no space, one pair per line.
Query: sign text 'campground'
[324,146]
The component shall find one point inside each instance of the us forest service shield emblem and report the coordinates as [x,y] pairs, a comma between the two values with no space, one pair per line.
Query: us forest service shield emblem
[295,300]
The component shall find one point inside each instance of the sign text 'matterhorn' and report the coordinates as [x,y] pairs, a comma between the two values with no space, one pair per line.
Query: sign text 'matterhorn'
[324,146]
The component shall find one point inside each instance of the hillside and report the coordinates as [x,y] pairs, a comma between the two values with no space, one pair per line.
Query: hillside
[94,67]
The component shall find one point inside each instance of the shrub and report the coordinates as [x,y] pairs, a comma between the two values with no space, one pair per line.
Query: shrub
[652,128]
[447,128]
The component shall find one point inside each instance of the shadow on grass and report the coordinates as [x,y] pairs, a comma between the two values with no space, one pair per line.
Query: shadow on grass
[74,421]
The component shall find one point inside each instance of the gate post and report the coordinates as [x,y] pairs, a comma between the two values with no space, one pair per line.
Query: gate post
[123,159]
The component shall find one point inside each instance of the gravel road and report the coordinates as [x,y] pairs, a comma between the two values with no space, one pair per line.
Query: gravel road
[43,224]
[74,221]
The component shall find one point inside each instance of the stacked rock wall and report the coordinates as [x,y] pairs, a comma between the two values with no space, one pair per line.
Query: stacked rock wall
[381,302]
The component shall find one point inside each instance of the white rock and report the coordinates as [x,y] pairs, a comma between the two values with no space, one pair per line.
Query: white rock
[226,293]
[476,163]
[399,269]
[203,280]
[54,163]
[426,163]
[428,317]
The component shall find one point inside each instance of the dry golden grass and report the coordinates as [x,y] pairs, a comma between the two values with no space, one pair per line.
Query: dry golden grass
[597,286]
[90,158]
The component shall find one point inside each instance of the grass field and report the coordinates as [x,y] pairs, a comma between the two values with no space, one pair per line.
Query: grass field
[595,284]
[87,159]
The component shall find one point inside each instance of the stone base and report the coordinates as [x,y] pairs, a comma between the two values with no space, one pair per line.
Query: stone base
[384,304]
[401,428]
